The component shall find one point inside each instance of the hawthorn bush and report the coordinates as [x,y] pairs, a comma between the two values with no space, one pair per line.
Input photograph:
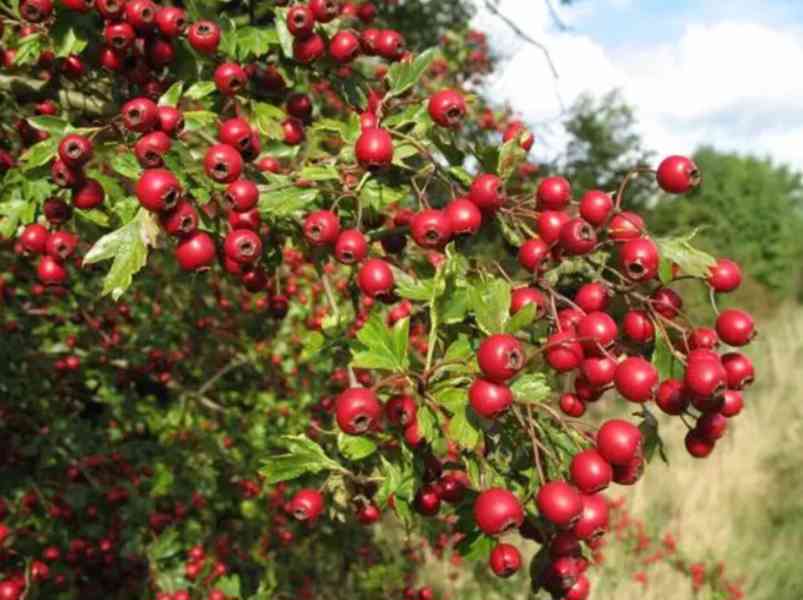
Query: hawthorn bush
[271,277]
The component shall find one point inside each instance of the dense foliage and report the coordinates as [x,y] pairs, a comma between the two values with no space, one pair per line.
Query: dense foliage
[268,275]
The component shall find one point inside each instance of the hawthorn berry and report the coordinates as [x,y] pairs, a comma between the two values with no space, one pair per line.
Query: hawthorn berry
[496,510]
[204,37]
[500,357]
[486,192]
[357,411]
[374,148]
[636,379]
[223,163]
[553,193]
[725,276]
[431,228]
[447,108]
[505,560]
[243,246]
[639,259]
[619,442]
[464,217]
[321,228]
[590,472]
[735,327]
[559,503]
[158,190]
[678,175]
[375,278]
[306,505]
[196,252]
[596,207]
[489,399]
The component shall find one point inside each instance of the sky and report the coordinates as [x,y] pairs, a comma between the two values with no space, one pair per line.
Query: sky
[726,73]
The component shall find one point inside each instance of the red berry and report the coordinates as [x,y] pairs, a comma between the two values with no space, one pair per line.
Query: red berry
[738,368]
[486,192]
[140,14]
[596,207]
[672,397]
[636,379]
[51,271]
[596,330]
[638,326]
[698,445]
[593,521]
[532,254]
[447,108]
[521,297]
[309,49]
[678,175]
[390,44]
[496,510]
[590,472]
[351,247]
[344,47]
[158,190]
[427,502]
[375,278]
[626,226]
[572,405]
[140,115]
[563,352]
[35,11]
[88,195]
[735,327]
[705,376]
[241,195]
[325,10]
[243,246]
[619,442]
[553,193]
[374,148]
[550,224]
[223,163]
[500,357]
[249,219]
[306,505]
[61,244]
[321,228]
[732,403]
[592,297]
[150,149]
[667,302]
[517,131]
[196,252]
[34,238]
[300,21]
[75,150]
[711,426]
[598,371]
[401,410]
[431,228]
[204,37]
[559,503]
[181,221]
[464,217]
[171,21]
[703,338]
[230,79]
[577,237]
[725,276]
[505,560]
[357,411]
[489,399]
[639,259]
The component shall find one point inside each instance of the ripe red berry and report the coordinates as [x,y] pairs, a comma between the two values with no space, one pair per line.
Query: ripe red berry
[88,194]
[590,472]
[738,368]
[598,371]
[374,148]
[158,190]
[300,20]
[725,276]
[140,115]
[559,503]
[140,14]
[430,228]
[309,49]
[150,148]
[369,514]
[637,325]
[171,21]
[489,399]
[51,271]
[563,352]
[678,175]
[321,228]
[667,302]
[553,193]
[464,217]
[65,176]
[550,224]
[447,108]
[711,426]
[705,376]
[401,410]
[619,442]
[596,330]
[351,247]
[35,11]
[34,238]
[593,521]
[505,560]
[703,338]
[732,404]
[636,379]
[500,357]
[735,327]
[577,237]
[517,131]
[571,405]
[196,252]
[325,10]
[243,246]
[61,244]
[306,505]
[596,207]
[672,397]
[249,219]
[204,37]
[375,278]
[344,47]
[390,44]
[496,510]
[639,259]
[592,297]
[357,411]
[241,195]
[223,163]
[230,79]
[75,150]
[698,445]
[626,226]
[532,254]
[486,192]
[181,221]
[427,502]
[521,297]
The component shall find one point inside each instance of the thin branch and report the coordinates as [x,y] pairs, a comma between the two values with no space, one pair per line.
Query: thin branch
[559,23]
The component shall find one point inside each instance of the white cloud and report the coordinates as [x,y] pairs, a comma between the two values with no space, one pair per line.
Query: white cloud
[729,84]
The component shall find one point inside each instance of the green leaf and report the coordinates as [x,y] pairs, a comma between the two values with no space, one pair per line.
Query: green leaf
[53,125]
[268,120]
[476,546]
[691,261]
[284,35]
[14,213]
[29,49]
[399,481]
[320,173]
[96,216]
[454,306]
[67,39]
[461,175]
[382,347]
[407,286]
[162,480]
[285,200]
[198,119]
[40,154]
[523,318]
[490,302]
[229,585]
[127,165]
[411,114]
[651,437]
[173,95]
[354,447]
[404,75]
[200,89]
[462,429]
[454,399]
[165,546]
[254,41]
[459,350]
[378,196]
[531,388]
[128,249]
[427,423]
[510,157]
[664,360]
[303,456]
